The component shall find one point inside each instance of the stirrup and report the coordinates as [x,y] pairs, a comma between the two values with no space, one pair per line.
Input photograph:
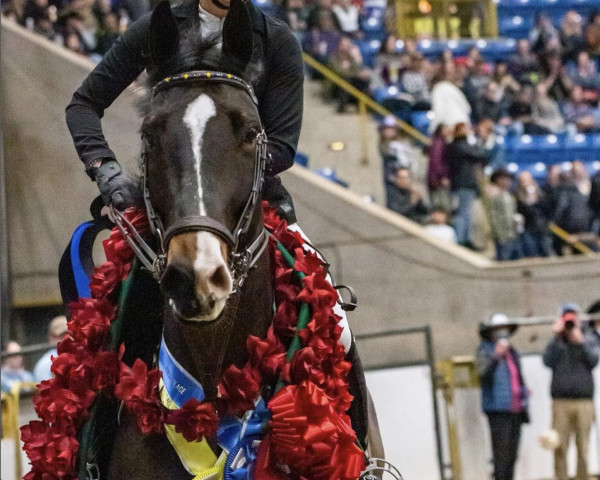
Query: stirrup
[377,467]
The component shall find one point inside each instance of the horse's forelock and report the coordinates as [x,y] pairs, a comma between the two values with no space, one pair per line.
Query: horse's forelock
[198,53]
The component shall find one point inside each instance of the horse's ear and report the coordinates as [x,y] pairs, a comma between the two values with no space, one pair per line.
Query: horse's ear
[237,32]
[164,34]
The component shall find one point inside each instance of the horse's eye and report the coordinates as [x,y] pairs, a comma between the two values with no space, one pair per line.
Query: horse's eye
[251,135]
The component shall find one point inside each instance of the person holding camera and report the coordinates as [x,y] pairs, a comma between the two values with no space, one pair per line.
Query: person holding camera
[504,396]
[571,354]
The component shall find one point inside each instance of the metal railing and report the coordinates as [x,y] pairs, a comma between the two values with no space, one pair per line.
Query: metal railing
[552,227]
[566,237]
[425,332]
[364,101]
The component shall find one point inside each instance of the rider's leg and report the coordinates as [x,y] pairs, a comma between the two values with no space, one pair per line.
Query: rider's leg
[358,411]
[346,336]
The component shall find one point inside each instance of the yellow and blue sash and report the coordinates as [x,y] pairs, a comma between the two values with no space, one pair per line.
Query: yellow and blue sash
[238,437]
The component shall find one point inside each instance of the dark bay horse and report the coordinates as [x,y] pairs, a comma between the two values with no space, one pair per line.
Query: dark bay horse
[203,165]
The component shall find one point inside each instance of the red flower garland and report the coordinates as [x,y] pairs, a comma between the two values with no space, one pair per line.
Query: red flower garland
[309,420]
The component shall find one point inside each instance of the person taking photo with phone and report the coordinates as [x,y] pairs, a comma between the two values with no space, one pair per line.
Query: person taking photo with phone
[571,354]
[504,396]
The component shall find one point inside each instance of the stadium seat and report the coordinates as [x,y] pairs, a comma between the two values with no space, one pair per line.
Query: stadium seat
[330,174]
[369,50]
[514,26]
[421,120]
[494,50]
[384,93]
[301,159]
[582,147]
[430,48]
[372,23]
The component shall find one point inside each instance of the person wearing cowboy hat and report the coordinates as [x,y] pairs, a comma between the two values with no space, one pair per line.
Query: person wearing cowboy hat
[504,395]
[57,329]
[572,355]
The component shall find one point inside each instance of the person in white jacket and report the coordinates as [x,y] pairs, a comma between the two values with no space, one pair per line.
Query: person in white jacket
[448,103]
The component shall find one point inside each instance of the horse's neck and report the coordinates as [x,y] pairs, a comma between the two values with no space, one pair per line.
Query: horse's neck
[205,351]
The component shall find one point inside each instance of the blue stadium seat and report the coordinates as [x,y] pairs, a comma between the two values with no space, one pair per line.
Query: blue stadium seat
[369,50]
[384,93]
[497,49]
[581,147]
[301,159]
[372,23]
[421,120]
[514,26]
[372,18]
[552,148]
[492,50]
[536,152]
[594,142]
[431,48]
[330,174]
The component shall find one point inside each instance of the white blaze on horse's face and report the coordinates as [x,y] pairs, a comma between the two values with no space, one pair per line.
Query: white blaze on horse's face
[200,255]
[213,279]
[197,115]
[204,250]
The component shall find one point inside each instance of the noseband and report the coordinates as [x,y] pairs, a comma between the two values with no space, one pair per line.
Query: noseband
[243,257]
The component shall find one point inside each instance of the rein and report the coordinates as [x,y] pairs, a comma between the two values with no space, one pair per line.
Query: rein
[243,258]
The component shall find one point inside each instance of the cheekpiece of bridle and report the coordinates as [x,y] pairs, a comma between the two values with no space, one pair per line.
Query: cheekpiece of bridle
[243,257]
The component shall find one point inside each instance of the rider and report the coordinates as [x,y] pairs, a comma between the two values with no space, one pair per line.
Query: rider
[279,91]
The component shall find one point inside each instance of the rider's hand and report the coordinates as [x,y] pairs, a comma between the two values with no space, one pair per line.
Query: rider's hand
[116,189]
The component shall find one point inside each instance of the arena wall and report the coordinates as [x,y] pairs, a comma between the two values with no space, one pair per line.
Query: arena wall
[403,277]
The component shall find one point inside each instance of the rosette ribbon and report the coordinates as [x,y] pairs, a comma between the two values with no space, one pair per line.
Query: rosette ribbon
[310,437]
[241,438]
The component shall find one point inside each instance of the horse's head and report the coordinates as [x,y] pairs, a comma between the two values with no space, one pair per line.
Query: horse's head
[201,140]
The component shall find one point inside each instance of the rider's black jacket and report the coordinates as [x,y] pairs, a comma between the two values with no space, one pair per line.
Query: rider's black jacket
[279,91]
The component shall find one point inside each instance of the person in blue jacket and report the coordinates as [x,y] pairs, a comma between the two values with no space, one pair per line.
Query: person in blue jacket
[504,395]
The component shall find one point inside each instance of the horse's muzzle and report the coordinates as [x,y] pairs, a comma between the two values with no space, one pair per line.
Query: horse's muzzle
[197,280]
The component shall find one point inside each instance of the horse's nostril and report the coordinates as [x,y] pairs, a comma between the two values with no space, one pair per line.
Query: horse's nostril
[220,278]
[178,281]
[210,301]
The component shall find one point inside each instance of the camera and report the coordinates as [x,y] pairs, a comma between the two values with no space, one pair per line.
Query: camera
[569,324]
[569,319]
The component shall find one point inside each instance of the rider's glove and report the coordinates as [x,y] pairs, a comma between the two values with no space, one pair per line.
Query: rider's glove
[114,186]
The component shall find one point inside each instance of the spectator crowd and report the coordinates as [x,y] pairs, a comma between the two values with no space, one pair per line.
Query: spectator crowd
[464,165]
[550,85]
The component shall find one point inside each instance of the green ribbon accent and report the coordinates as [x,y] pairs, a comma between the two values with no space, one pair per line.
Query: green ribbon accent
[116,327]
[304,314]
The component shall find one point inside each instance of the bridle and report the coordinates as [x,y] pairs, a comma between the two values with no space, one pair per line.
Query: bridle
[243,257]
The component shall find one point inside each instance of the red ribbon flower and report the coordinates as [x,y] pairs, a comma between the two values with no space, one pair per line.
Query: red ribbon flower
[138,389]
[51,451]
[61,407]
[238,389]
[107,277]
[89,323]
[267,355]
[194,420]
